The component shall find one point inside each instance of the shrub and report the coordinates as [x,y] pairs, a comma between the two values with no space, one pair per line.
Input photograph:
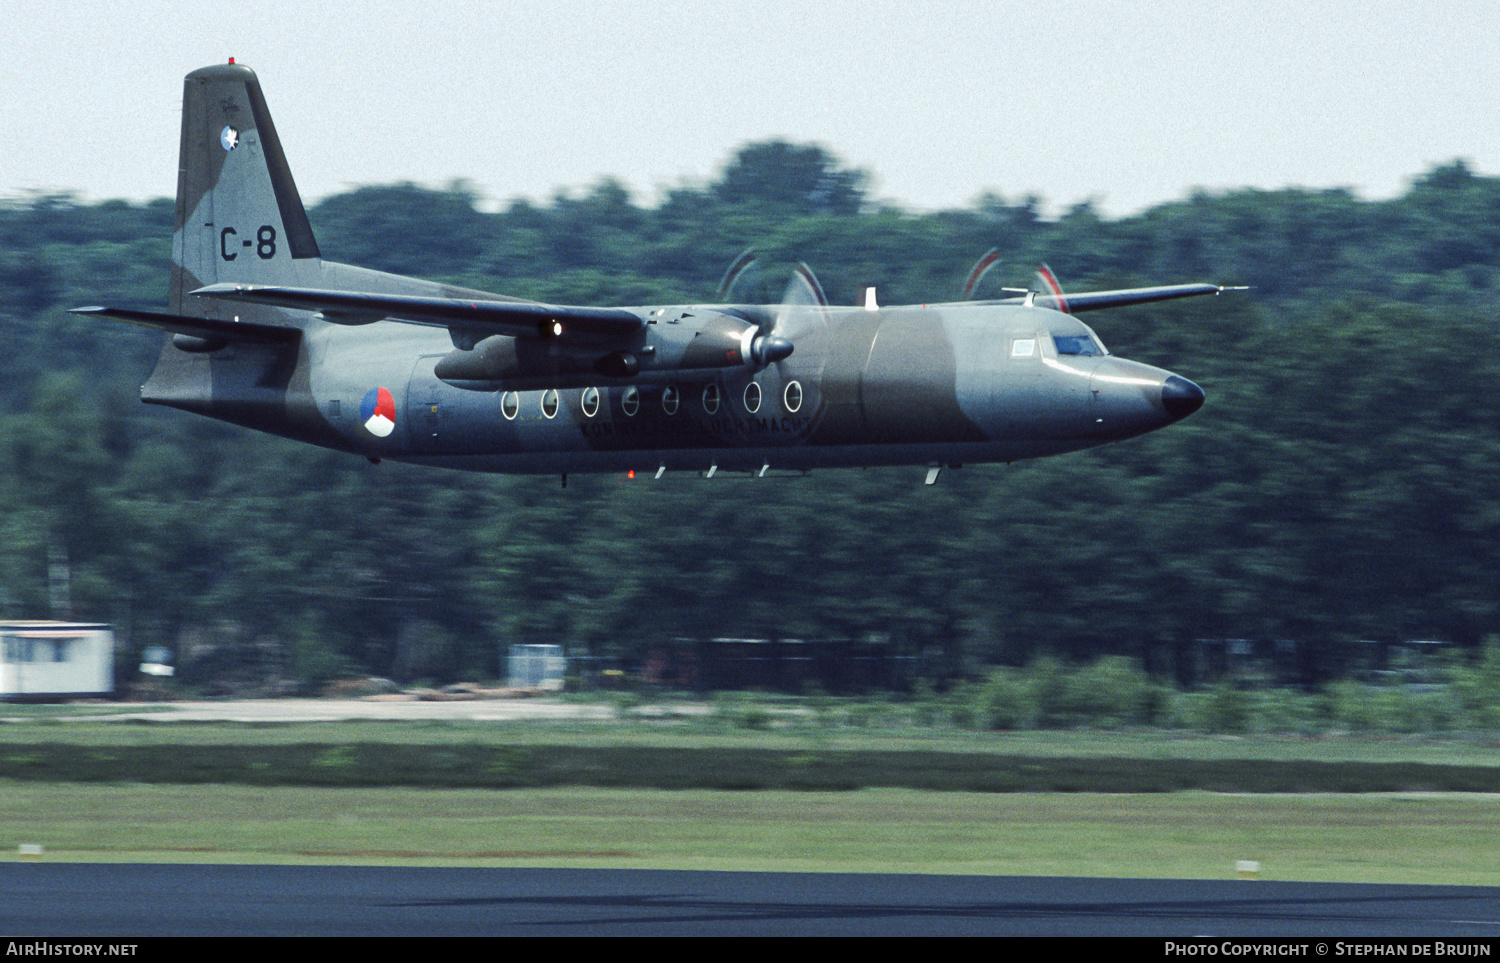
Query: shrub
[1289,711]
[1005,701]
[1226,709]
[1047,683]
[1111,692]
[1476,688]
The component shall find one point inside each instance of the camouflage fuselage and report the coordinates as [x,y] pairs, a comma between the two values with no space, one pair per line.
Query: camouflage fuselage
[909,385]
[267,334]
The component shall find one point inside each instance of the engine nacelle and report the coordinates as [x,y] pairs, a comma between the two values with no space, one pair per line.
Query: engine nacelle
[502,362]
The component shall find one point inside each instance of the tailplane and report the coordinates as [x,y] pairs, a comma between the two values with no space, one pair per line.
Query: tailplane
[239,217]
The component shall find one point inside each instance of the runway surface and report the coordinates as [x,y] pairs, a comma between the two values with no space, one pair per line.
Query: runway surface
[130,900]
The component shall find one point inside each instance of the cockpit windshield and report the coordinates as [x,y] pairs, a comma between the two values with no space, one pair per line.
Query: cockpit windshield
[1076,344]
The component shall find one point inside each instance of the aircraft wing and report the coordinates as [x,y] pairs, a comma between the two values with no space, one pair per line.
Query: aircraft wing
[210,329]
[522,319]
[1097,300]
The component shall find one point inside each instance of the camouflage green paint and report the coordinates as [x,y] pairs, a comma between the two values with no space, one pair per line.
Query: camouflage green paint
[908,389]
[682,391]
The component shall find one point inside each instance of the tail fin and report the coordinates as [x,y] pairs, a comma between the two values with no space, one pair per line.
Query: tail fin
[239,218]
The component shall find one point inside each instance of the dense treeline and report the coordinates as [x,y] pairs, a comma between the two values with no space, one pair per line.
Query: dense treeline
[1342,482]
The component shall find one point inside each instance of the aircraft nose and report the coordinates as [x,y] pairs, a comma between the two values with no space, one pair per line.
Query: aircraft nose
[1180,396]
[1131,398]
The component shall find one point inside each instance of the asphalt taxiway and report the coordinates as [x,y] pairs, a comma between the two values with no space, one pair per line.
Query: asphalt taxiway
[143,900]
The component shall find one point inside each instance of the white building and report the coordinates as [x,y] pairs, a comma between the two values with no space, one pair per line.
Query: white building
[55,660]
[537,667]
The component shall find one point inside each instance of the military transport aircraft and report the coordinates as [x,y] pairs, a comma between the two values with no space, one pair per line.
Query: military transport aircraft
[267,334]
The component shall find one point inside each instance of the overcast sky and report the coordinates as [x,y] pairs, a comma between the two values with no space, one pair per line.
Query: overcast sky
[1126,104]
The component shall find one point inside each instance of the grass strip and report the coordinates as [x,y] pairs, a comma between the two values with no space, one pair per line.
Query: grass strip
[663,767]
[1359,838]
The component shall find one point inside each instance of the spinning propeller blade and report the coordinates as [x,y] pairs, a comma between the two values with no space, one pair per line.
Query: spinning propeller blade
[1047,284]
[981,268]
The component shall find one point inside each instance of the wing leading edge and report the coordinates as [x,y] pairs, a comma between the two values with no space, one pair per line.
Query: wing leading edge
[212,330]
[520,319]
[483,318]
[1099,300]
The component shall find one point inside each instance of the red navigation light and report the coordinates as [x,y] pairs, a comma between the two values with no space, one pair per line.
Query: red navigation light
[231,60]
[630,474]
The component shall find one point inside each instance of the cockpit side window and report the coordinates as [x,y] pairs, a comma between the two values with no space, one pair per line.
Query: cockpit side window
[1076,344]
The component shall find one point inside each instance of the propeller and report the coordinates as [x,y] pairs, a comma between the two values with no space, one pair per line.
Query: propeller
[802,311]
[766,346]
[981,267]
[739,269]
[1047,284]
[804,290]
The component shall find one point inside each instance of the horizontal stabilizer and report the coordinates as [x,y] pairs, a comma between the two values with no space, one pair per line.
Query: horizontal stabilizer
[515,318]
[209,329]
[1098,300]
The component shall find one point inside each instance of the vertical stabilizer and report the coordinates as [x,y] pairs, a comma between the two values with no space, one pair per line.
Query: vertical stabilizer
[239,217]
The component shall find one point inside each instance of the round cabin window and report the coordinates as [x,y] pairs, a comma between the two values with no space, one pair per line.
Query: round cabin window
[549,402]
